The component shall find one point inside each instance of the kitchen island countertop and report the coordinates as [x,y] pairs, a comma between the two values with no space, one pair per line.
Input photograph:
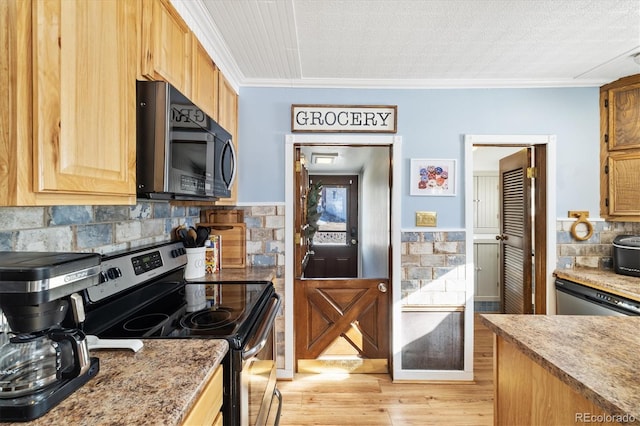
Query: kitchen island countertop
[606,280]
[157,385]
[597,356]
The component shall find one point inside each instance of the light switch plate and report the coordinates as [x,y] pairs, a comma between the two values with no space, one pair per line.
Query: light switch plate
[426,218]
[578,213]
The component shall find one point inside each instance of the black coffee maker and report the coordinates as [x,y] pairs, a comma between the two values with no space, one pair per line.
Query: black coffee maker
[41,361]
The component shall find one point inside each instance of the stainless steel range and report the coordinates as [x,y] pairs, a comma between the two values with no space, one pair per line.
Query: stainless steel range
[142,294]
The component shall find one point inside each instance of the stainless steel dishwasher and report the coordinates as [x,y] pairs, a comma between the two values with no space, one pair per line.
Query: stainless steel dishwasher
[576,299]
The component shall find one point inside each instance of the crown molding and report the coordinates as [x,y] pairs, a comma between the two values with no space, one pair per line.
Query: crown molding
[420,84]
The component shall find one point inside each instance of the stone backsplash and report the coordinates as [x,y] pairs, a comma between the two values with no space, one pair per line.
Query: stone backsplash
[107,229]
[596,252]
[97,229]
[265,235]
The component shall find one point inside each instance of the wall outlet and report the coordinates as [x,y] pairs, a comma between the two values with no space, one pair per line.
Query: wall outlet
[426,218]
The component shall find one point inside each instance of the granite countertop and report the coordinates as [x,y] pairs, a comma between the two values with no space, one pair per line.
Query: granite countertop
[157,385]
[606,280]
[595,355]
[253,273]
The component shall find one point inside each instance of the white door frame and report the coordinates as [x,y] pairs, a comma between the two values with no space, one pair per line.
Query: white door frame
[333,139]
[524,140]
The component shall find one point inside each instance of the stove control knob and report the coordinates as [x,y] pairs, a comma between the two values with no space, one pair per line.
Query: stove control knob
[178,252]
[114,273]
[103,277]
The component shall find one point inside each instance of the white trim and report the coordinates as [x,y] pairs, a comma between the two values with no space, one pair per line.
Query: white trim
[259,203]
[432,229]
[289,247]
[337,139]
[413,376]
[524,140]
[344,83]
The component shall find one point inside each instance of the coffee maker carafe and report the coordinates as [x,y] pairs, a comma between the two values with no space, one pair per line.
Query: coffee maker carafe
[41,361]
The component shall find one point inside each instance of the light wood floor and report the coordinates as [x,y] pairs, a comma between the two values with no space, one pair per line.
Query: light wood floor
[371,399]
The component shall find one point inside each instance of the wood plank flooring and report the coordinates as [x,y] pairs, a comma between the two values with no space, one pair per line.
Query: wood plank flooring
[372,399]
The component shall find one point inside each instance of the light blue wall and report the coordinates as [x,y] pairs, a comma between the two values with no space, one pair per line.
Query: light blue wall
[432,123]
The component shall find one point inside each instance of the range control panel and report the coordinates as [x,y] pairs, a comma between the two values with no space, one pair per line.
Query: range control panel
[126,270]
[146,262]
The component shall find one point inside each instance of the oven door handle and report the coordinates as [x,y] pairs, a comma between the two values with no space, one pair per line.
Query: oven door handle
[262,334]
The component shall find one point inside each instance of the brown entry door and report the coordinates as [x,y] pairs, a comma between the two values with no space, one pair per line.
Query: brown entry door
[347,318]
[334,247]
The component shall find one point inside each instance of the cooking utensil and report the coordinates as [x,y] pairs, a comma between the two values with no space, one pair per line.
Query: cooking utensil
[202,235]
[184,235]
[193,234]
[97,343]
[178,232]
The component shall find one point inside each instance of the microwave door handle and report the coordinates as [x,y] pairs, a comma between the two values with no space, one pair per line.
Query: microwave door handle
[177,135]
[229,149]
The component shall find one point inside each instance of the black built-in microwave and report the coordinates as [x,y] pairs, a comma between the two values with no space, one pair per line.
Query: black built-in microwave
[182,153]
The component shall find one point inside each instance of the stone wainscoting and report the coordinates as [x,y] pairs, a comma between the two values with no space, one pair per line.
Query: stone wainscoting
[433,268]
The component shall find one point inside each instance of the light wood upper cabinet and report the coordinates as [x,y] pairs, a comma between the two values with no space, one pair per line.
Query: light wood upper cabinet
[228,119]
[204,85]
[166,45]
[624,116]
[620,149]
[71,104]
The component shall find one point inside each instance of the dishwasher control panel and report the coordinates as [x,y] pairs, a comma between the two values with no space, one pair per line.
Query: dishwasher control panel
[577,299]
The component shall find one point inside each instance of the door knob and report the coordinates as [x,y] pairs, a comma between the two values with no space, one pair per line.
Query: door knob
[354,241]
[382,287]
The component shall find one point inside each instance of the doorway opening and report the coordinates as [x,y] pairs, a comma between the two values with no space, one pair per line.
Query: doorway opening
[510,221]
[334,245]
[342,274]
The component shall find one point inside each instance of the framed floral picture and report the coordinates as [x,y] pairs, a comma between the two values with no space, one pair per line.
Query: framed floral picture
[432,177]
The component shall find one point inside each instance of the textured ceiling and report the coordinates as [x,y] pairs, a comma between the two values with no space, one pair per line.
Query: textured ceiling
[420,43]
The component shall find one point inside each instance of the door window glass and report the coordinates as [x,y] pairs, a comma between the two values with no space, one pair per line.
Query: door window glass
[332,224]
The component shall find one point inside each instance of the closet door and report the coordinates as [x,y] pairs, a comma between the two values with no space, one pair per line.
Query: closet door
[515,234]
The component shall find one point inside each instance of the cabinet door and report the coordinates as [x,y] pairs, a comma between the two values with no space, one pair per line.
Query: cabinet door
[624,117]
[228,118]
[624,181]
[166,45]
[487,203]
[84,96]
[206,409]
[204,83]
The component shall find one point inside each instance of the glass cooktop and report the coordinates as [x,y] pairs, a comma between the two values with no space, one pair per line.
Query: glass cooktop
[175,309]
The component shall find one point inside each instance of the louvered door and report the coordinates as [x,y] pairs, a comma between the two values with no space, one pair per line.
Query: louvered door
[515,234]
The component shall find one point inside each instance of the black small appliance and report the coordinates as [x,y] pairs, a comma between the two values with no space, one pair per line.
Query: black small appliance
[182,152]
[42,362]
[626,255]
